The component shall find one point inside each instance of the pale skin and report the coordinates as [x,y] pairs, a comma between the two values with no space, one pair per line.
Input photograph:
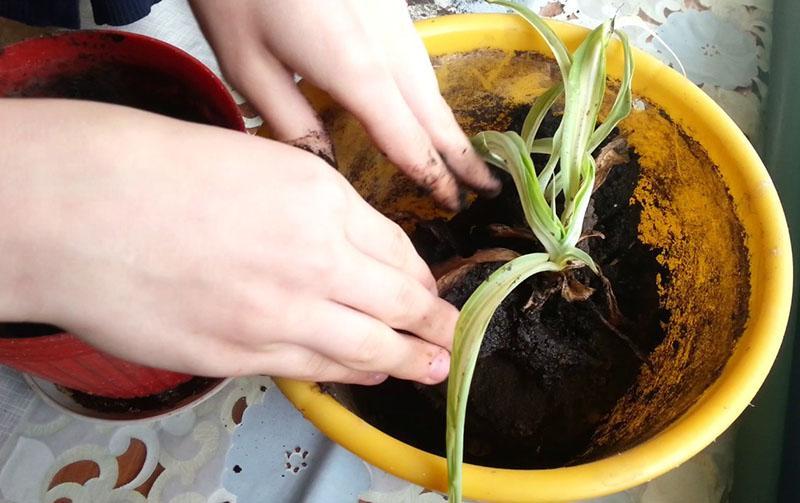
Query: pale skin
[211,252]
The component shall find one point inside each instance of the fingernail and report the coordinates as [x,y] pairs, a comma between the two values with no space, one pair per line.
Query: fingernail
[493,189]
[439,367]
[377,378]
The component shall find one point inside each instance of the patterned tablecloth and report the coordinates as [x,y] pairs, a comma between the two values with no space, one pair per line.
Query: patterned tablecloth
[248,444]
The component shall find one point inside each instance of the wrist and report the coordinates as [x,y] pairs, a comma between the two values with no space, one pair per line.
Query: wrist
[18,246]
[16,296]
[50,150]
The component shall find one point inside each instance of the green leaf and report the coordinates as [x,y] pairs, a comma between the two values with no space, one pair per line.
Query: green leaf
[584,95]
[555,187]
[551,39]
[470,329]
[537,113]
[541,146]
[575,210]
[570,170]
[622,103]
[574,255]
[508,152]
[555,154]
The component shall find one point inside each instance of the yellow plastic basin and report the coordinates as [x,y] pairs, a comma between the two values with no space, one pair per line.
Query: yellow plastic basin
[709,206]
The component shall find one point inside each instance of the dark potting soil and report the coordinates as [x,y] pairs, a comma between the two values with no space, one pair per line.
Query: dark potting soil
[142,404]
[129,85]
[25,330]
[547,376]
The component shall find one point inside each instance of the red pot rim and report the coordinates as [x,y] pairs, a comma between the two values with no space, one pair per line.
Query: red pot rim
[43,47]
[54,347]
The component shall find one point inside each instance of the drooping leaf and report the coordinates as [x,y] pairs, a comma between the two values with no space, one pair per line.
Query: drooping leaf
[508,152]
[470,329]
[560,52]
[541,146]
[537,113]
[574,255]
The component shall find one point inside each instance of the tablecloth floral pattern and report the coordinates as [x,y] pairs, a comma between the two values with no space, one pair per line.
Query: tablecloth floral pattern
[221,452]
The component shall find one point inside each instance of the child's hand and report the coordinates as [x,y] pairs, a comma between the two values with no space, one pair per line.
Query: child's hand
[207,251]
[366,54]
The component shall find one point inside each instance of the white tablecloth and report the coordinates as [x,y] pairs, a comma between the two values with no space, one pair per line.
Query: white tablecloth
[275,455]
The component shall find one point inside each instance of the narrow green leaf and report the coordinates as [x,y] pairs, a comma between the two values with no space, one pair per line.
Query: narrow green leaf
[541,146]
[481,146]
[551,39]
[577,255]
[470,329]
[576,208]
[622,103]
[584,95]
[537,113]
[508,152]
[555,154]
[554,188]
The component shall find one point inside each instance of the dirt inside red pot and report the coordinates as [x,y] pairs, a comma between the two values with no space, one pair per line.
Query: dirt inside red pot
[148,403]
[25,330]
[126,84]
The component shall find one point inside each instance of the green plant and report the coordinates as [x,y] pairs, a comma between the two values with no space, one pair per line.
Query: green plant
[554,200]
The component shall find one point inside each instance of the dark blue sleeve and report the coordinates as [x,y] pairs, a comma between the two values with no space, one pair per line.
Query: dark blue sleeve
[63,13]
[120,12]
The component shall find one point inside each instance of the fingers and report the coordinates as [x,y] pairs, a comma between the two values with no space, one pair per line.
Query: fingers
[350,65]
[368,57]
[374,98]
[272,90]
[392,90]
[395,299]
[297,362]
[361,342]
[449,140]
[378,237]
[414,75]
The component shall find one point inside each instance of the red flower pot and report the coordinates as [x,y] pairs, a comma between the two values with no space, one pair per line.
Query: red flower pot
[125,69]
